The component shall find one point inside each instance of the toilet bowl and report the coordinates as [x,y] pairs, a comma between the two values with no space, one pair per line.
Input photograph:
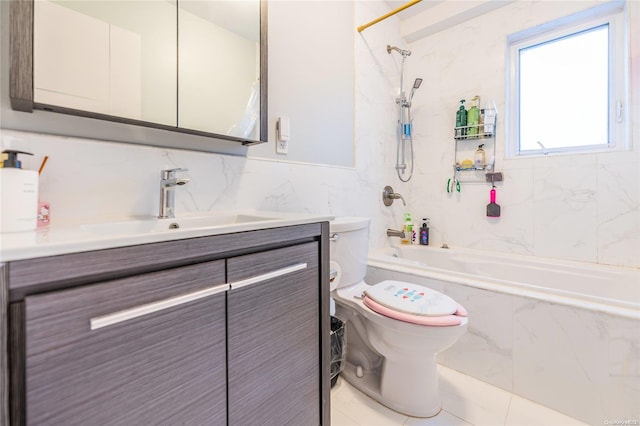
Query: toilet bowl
[394,329]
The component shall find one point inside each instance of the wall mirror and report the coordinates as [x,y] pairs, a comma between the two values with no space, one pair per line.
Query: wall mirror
[190,66]
[219,67]
[106,57]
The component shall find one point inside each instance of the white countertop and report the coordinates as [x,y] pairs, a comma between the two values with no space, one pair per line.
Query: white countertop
[53,240]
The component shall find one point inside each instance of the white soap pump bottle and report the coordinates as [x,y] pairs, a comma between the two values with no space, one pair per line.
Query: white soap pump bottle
[18,195]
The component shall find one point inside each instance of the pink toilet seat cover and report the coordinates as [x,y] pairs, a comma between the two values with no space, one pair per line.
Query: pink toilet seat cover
[414,303]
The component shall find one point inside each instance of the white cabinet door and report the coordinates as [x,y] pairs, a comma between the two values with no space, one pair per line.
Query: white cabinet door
[71,58]
[85,63]
[125,95]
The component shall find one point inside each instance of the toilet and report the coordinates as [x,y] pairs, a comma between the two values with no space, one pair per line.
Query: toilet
[394,329]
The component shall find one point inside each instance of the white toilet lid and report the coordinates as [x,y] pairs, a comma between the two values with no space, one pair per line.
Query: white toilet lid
[412,299]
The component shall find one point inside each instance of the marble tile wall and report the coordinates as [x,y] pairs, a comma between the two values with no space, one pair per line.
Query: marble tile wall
[580,362]
[486,350]
[581,207]
[93,181]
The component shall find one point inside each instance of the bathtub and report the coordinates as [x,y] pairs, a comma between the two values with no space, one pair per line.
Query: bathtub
[610,289]
[561,333]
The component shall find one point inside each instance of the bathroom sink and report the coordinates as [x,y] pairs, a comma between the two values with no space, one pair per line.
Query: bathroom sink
[155,225]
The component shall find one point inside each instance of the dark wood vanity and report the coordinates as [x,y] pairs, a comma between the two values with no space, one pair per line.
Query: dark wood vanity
[230,329]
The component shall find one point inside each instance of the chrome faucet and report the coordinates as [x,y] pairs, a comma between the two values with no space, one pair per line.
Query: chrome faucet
[388,196]
[395,233]
[168,183]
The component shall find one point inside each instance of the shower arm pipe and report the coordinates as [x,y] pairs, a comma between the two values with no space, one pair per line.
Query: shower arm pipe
[385,16]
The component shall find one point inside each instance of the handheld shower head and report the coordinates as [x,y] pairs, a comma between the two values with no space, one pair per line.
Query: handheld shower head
[416,85]
[404,53]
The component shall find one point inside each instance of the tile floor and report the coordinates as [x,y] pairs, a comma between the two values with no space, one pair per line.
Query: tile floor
[465,401]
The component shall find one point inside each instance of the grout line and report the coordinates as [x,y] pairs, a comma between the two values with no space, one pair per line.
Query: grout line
[458,417]
[506,418]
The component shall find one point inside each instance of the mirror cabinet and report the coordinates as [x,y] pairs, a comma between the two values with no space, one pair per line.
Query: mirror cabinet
[189,66]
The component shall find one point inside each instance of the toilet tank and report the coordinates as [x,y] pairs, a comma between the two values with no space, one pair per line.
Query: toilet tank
[349,249]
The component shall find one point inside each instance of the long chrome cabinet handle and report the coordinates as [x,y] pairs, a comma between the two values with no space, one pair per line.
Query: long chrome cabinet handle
[269,275]
[149,308]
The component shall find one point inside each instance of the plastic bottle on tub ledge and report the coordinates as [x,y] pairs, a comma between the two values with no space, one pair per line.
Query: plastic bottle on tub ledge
[407,229]
[424,232]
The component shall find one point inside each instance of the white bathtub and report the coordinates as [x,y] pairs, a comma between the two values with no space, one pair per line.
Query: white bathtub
[564,334]
[610,289]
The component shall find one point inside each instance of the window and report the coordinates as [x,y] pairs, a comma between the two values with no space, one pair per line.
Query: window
[568,83]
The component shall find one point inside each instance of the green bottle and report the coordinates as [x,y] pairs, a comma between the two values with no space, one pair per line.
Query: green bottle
[473,116]
[461,119]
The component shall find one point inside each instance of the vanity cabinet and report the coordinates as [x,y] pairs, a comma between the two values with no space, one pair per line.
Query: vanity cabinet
[222,330]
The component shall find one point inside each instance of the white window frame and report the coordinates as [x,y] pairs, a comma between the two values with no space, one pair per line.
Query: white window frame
[613,14]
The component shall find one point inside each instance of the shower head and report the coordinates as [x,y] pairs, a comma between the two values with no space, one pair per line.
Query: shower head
[404,53]
[416,85]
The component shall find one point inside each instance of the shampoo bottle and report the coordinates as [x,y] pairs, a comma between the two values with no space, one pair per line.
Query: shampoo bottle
[480,160]
[461,119]
[407,229]
[473,116]
[19,192]
[424,232]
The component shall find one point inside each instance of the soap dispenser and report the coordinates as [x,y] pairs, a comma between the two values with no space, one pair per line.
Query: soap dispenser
[19,195]
[480,159]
